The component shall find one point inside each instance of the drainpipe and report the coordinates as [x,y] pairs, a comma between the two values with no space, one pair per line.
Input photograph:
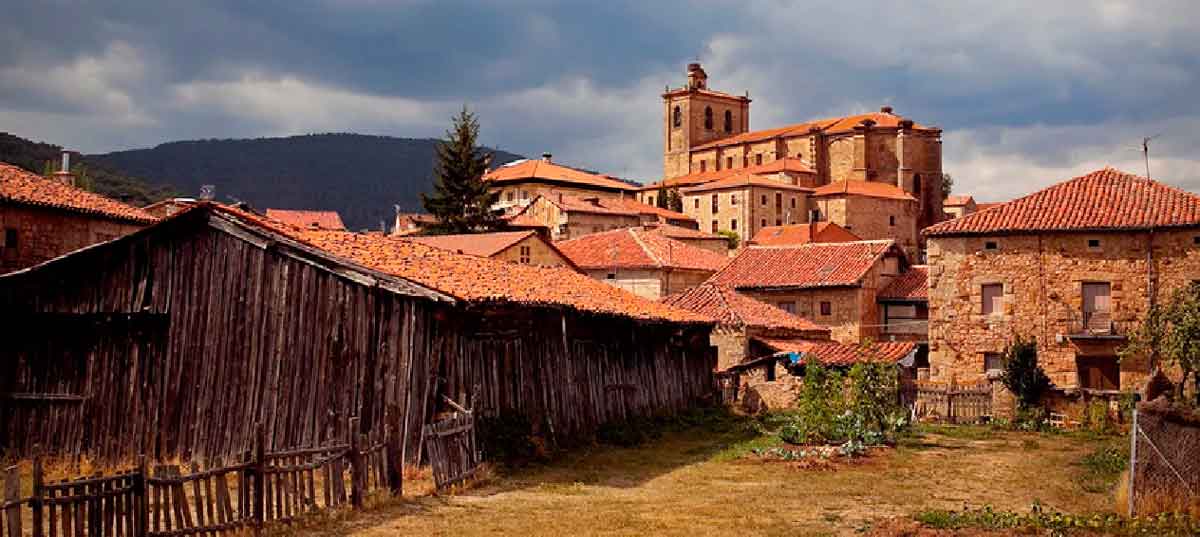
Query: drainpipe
[1151,299]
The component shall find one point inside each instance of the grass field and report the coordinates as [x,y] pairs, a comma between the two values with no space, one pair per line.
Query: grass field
[703,482]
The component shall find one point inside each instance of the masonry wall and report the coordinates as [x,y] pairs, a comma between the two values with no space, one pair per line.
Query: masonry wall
[642,282]
[580,223]
[539,253]
[750,211]
[731,345]
[43,234]
[1042,277]
[515,193]
[846,312]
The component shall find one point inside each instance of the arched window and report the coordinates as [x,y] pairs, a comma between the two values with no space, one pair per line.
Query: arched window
[917,186]
[677,117]
[728,121]
[708,118]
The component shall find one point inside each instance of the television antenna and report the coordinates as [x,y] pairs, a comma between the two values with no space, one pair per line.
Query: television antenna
[1146,151]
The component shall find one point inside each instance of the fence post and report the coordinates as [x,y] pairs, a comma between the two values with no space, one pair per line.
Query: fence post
[35,502]
[12,496]
[1133,442]
[356,465]
[141,495]
[260,477]
[394,452]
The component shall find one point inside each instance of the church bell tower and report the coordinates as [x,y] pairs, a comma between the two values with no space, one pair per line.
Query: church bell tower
[694,115]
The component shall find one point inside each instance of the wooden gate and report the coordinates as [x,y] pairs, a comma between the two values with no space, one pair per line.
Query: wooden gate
[450,443]
[951,403]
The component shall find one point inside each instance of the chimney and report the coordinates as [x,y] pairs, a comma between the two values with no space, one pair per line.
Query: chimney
[696,77]
[64,175]
[885,109]
[546,157]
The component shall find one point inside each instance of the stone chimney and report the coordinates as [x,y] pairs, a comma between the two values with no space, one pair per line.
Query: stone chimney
[885,109]
[547,158]
[696,77]
[64,175]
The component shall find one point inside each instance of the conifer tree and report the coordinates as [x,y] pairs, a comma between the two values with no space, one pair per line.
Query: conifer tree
[461,201]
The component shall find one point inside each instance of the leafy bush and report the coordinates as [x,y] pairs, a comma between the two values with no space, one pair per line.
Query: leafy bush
[731,237]
[856,411]
[507,438]
[1031,419]
[1022,375]
[1055,523]
[1096,418]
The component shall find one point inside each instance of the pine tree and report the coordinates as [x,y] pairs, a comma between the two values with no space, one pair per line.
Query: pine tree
[461,201]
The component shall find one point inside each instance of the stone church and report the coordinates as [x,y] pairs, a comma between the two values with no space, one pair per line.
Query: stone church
[877,174]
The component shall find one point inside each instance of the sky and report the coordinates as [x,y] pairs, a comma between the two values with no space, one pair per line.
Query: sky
[1028,93]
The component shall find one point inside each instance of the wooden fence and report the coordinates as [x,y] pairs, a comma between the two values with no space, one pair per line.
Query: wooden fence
[450,444]
[221,499]
[952,403]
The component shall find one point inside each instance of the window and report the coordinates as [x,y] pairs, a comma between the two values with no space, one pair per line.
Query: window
[649,200]
[524,194]
[789,306]
[1097,306]
[993,363]
[708,118]
[714,226]
[512,195]
[10,238]
[696,202]
[917,186]
[733,199]
[703,165]
[728,121]
[1094,244]
[611,276]
[826,308]
[733,224]
[892,221]
[714,204]
[764,222]
[991,246]
[778,201]
[729,162]
[814,215]
[745,161]
[764,200]
[1099,372]
[677,118]
[758,159]
[526,255]
[1196,240]
[992,294]
[779,221]
[792,202]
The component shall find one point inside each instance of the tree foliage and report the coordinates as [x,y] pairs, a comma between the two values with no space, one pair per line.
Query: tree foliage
[1022,374]
[669,198]
[1170,336]
[731,237]
[947,185]
[461,200]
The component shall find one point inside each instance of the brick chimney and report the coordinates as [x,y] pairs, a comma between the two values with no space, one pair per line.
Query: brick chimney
[64,175]
[696,77]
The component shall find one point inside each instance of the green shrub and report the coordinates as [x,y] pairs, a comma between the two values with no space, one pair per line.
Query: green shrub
[858,410]
[1022,375]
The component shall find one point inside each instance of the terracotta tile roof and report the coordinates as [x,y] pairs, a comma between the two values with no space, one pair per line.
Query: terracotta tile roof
[20,187]
[531,169]
[621,206]
[989,205]
[1106,199]
[635,247]
[678,232]
[863,188]
[840,354]
[743,180]
[816,264]
[471,278]
[730,307]
[308,219]
[803,234]
[830,126]
[790,164]
[912,285]
[478,244]
[957,201]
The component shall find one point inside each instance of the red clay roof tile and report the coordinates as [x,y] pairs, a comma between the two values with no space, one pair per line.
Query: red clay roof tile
[477,244]
[1106,199]
[957,201]
[912,285]
[526,170]
[743,180]
[830,353]
[790,164]
[635,247]
[863,188]
[308,219]
[830,126]
[795,234]
[20,187]
[816,264]
[730,307]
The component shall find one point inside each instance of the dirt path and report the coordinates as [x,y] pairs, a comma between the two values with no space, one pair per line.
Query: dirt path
[688,484]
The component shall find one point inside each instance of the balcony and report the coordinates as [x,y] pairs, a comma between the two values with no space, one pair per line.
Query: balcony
[1096,325]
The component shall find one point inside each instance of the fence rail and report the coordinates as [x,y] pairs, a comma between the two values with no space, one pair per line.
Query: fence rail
[215,499]
[948,402]
[453,455]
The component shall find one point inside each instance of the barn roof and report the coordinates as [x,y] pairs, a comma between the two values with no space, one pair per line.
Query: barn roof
[20,187]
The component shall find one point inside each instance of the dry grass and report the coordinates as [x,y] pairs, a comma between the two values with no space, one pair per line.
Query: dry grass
[695,483]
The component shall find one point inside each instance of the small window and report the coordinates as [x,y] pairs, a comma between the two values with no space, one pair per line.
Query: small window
[733,224]
[10,238]
[610,276]
[764,222]
[728,121]
[917,186]
[733,199]
[512,196]
[703,165]
[992,294]
[826,308]
[991,246]
[526,255]
[697,202]
[993,363]
[524,194]
[714,204]
[708,119]
[714,226]
[745,161]
[1196,240]
[788,306]
[677,118]
[814,215]
[764,200]
[1094,243]
[758,159]
[779,221]
[729,162]
[649,200]
[792,201]
[892,221]
[778,201]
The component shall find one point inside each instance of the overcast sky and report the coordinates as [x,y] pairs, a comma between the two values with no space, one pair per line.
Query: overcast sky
[1028,92]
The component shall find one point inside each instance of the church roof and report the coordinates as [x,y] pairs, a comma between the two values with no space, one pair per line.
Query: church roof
[789,165]
[829,126]
[1103,200]
[743,180]
[533,170]
[869,189]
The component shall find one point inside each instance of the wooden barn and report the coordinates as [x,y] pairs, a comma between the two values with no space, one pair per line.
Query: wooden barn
[176,340]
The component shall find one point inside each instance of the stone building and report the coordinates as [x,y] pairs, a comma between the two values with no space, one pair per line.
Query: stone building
[700,239]
[792,235]
[642,261]
[521,181]
[959,206]
[41,218]
[569,217]
[412,223]
[873,211]
[1076,266]
[745,204]
[904,308]
[832,284]
[164,208]
[706,130]
[523,247]
[308,219]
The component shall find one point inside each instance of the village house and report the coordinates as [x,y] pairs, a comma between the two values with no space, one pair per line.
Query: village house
[42,218]
[568,217]
[524,247]
[904,308]
[1075,266]
[308,219]
[700,239]
[521,181]
[642,261]
[832,284]
[412,223]
[791,235]
[176,340]
[706,130]
[873,211]
[959,206]
[744,204]
[168,207]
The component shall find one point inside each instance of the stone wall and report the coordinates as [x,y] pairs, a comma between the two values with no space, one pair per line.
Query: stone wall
[517,193]
[43,234]
[749,211]
[731,345]
[846,312]
[539,253]
[1041,278]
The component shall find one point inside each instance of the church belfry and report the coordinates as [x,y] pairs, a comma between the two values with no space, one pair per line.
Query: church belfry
[694,115]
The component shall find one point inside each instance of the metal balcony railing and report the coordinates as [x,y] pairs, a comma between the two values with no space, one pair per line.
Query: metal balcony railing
[1096,324]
